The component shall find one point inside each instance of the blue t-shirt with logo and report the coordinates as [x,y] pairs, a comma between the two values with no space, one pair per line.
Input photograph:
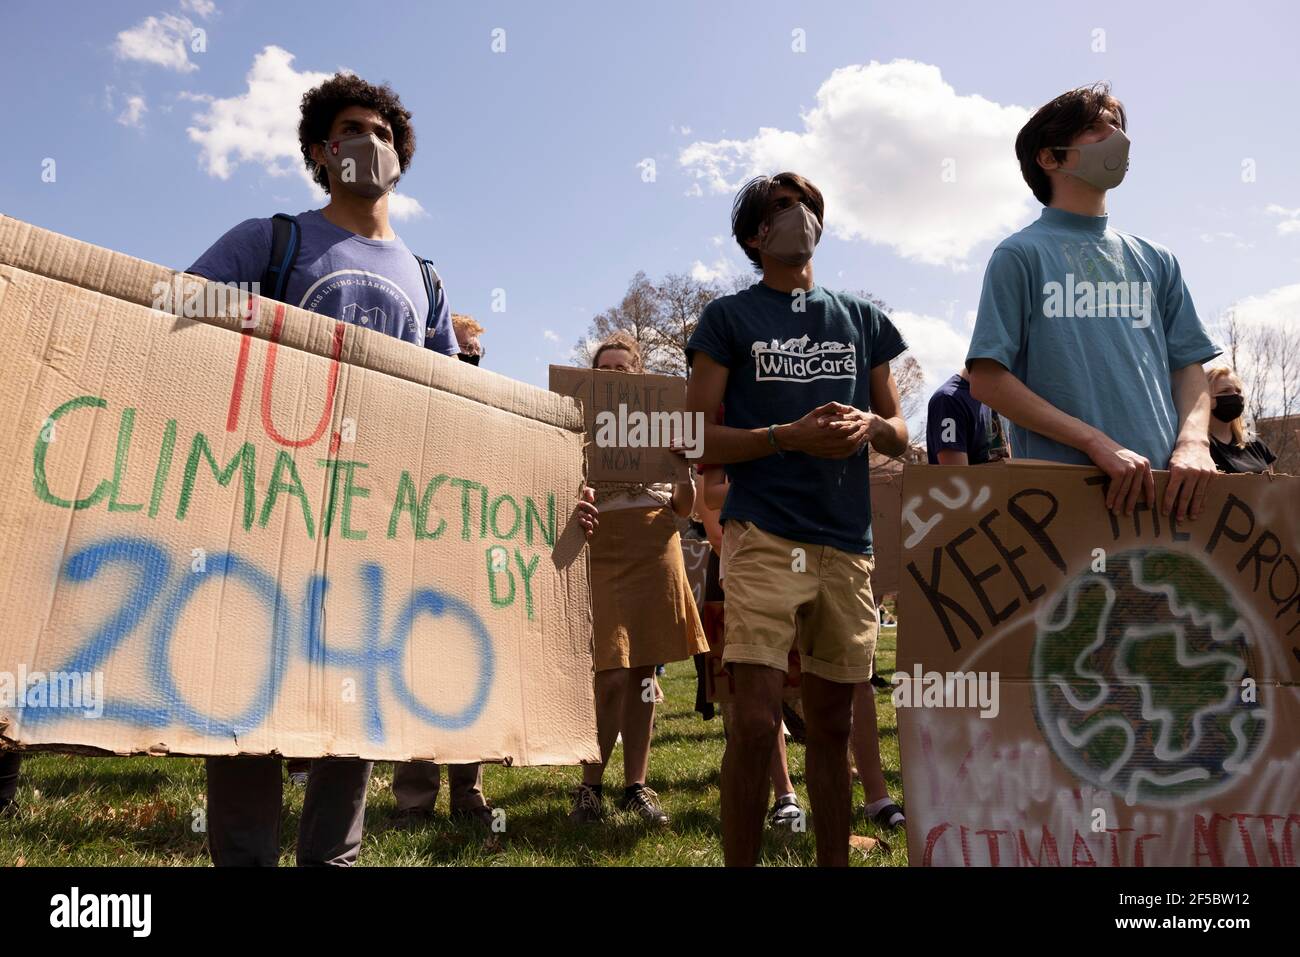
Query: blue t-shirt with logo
[783,363]
[956,421]
[375,283]
[1094,321]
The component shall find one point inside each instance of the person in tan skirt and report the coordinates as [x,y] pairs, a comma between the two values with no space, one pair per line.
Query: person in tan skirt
[643,614]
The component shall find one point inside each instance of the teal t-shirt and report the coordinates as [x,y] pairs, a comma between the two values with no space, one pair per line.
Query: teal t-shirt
[1094,321]
[782,363]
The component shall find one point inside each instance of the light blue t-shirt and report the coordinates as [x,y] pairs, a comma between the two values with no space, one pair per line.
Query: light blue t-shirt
[1094,321]
[376,283]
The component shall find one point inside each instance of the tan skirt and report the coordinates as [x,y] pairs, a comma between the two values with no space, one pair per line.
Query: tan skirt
[642,608]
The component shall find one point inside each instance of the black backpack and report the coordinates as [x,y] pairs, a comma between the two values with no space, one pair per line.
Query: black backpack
[285,233]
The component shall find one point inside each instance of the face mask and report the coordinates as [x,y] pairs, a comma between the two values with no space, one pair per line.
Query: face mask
[791,235]
[1228,407]
[466,357]
[374,168]
[1102,164]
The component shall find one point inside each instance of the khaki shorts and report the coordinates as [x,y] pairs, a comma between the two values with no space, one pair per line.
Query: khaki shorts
[825,610]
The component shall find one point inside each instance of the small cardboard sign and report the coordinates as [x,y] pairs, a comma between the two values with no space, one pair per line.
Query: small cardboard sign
[630,420]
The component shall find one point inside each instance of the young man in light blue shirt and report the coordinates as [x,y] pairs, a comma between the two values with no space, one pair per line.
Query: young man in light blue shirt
[1086,337]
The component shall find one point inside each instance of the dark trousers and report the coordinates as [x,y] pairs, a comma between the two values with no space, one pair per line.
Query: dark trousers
[416,785]
[9,762]
[244,804]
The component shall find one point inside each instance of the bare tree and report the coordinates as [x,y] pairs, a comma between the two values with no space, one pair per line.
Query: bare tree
[681,300]
[639,313]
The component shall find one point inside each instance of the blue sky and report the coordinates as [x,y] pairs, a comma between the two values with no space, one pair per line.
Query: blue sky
[529,175]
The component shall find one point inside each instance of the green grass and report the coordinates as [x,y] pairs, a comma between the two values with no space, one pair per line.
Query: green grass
[140,811]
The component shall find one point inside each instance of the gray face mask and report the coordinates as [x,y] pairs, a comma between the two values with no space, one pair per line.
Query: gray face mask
[1102,164]
[364,164]
[792,235]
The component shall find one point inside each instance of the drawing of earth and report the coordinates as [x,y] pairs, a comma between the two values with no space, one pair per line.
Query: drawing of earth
[1139,674]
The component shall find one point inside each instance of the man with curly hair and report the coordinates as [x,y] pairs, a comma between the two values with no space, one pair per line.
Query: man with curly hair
[356,141]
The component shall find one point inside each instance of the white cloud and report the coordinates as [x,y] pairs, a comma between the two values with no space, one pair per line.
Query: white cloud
[134,113]
[693,190]
[550,336]
[939,345]
[403,207]
[260,126]
[1227,237]
[721,269]
[202,8]
[1290,219]
[162,41]
[1279,308]
[878,144]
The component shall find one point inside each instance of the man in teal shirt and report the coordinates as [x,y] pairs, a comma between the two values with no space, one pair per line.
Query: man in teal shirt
[1086,337]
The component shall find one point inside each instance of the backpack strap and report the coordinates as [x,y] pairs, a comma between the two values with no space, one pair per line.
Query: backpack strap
[432,289]
[285,233]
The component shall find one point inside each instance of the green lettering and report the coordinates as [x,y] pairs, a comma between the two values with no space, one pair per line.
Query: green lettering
[245,460]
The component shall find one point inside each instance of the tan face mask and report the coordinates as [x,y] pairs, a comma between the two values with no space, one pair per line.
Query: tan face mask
[792,235]
[364,164]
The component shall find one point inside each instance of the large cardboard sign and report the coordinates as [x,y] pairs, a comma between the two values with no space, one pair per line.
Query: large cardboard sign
[259,530]
[1133,678]
[629,420]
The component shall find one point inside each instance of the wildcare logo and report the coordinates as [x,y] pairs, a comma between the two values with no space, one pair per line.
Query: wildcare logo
[1085,299]
[798,360]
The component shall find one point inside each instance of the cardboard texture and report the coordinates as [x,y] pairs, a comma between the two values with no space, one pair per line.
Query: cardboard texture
[886,506]
[1147,709]
[276,534]
[618,455]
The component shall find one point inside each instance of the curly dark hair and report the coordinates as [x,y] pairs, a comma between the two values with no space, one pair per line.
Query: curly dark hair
[321,105]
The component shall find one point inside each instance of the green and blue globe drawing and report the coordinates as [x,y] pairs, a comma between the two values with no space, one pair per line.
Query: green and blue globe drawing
[1141,679]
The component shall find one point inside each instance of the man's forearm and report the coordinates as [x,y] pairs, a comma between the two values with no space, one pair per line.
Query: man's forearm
[1192,400]
[724,444]
[1004,393]
[892,440]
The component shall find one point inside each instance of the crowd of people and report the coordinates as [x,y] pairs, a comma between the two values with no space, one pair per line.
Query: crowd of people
[794,383]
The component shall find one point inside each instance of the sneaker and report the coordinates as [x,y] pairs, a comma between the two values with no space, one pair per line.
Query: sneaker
[643,802]
[588,805]
[785,812]
[298,778]
[890,817]
[880,681]
[660,671]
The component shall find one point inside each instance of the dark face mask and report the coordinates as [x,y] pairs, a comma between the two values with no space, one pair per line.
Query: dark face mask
[466,357]
[1228,407]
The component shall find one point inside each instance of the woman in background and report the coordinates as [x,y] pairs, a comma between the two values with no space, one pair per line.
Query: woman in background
[643,614]
[1228,446]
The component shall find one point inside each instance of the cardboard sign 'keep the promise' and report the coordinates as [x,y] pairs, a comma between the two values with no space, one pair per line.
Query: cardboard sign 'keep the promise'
[1146,709]
[227,530]
[629,421]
